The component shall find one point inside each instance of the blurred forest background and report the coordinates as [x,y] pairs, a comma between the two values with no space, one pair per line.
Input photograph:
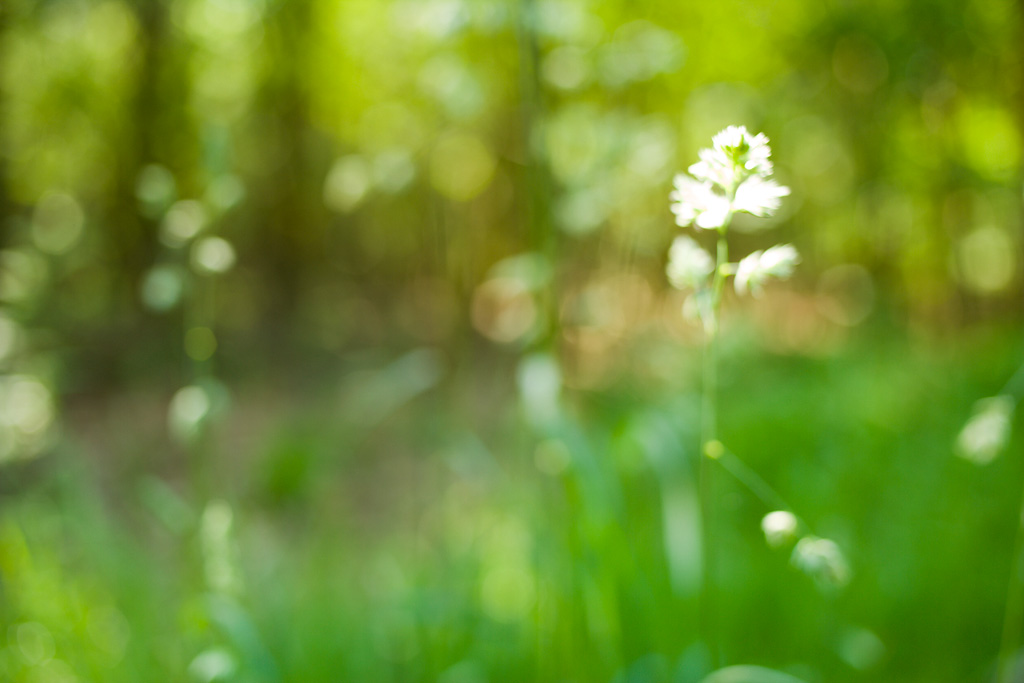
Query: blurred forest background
[336,344]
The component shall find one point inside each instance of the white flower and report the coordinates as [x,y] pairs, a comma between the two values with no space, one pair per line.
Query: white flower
[686,196]
[777,262]
[779,527]
[735,155]
[751,152]
[715,216]
[736,169]
[986,433]
[759,196]
[688,264]
[714,167]
[696,202]
[732,138]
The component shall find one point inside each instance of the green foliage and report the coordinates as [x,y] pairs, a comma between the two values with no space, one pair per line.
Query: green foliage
[436,550]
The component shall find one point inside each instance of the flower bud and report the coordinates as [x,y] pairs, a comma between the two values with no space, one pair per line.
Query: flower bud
[776,262]
[987,431]
[688,264]
[822,560]
[779,528]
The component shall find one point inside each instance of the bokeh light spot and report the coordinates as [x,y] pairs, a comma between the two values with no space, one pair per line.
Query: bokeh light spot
[35,642]
[27,404]
[566,67]
[225,191]
[188,409]
[990,140]
[155,189]
[57,223]
[184,220]
[200,343]
[461,166]
[987,259]
[162,288]
[347,183]
[109,631]
[23,273]
[211,665]
[507,593]
[503,310]
[213,255]
[9,333]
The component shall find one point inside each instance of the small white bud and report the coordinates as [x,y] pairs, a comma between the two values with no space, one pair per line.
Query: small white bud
[688,264]
[822,560]
[779,528]
[776,262]
[987,431]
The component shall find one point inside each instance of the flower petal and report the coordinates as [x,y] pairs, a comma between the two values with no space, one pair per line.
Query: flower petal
[759,197]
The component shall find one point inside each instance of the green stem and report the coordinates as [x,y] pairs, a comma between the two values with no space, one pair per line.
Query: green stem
[710,448]
[721,262]
[1015,590]
[709,431]
[1014,606]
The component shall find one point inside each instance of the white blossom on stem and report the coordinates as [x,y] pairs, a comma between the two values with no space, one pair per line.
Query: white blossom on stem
[749,152]
[776,262]
[698,203]
[688,264]
[732,175]
[759,197]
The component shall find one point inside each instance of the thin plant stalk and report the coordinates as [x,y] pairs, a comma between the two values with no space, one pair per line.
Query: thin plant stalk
[711,448]
[709,430]
[1012,617]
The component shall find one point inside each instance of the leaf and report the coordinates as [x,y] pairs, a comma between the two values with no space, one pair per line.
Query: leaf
[749,674]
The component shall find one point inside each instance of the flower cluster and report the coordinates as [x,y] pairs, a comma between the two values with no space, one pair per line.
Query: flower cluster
[734,175]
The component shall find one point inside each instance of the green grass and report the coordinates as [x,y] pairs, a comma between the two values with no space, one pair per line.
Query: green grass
[423,543]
